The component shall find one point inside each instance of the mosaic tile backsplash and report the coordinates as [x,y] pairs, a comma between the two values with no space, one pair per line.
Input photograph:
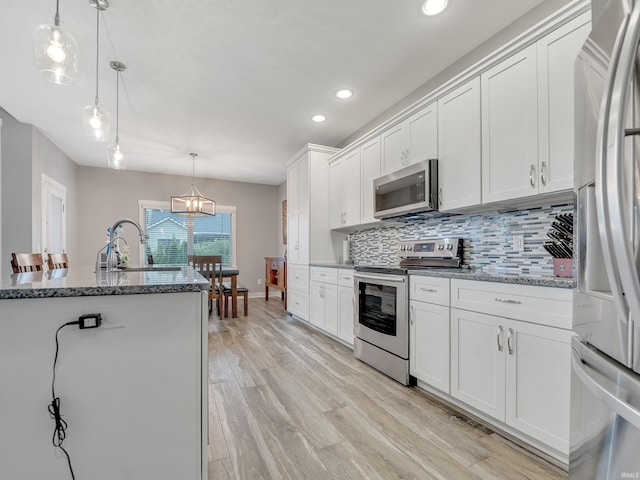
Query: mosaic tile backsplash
[488,239]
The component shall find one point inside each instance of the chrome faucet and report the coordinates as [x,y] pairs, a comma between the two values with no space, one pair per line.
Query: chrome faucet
[111,258]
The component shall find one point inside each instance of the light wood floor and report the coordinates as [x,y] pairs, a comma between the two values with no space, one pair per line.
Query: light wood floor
[288,402]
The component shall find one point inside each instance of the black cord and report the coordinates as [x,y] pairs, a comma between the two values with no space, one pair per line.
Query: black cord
[60,431]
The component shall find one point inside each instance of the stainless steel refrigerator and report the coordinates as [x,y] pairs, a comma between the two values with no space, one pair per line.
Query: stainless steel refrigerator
[605,389]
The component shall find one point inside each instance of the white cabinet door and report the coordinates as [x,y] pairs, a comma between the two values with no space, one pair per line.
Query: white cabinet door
[510,128]
[478,361]
[422,135]
[556,55]
[392,142]
[337,188]
[303,183]
[303,237]
[330,297]
[538,381]
[293,241]
[370,170]
[316,304]
[345,314]
[292,189]
[459,147]
[430,342]
[352,189]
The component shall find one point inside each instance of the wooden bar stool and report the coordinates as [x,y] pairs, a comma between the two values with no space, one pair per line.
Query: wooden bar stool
[242,292]
[57,260]
[27,262]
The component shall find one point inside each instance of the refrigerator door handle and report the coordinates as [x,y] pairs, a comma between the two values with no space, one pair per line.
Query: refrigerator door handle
[609,200]
[622,408]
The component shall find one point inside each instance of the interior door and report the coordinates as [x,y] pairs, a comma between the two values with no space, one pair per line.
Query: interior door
[54,216]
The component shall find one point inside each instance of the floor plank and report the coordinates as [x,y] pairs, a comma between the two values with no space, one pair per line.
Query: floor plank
[288,402]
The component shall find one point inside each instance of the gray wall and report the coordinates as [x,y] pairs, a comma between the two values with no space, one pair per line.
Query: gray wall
[108,195]
[26,155]
[282,195]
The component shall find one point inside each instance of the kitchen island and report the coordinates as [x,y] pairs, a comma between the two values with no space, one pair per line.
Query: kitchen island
[132,391]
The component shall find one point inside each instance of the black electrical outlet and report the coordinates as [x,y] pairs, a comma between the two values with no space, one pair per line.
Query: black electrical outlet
[91,320]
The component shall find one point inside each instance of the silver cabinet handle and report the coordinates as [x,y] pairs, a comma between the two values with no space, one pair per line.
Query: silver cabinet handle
[532,174]
[440,196]
[429,290]
[508,300]
[411,315]
[543,169]
[499,338]
[509,347]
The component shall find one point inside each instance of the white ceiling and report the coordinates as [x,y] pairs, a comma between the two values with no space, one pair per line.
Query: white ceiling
[235,81]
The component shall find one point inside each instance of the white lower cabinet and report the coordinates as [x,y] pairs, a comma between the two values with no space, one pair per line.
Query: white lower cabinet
[345,306]
[515,371]
[323,299]
[429,344]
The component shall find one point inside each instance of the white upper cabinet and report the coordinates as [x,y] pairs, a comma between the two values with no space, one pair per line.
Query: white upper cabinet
[556,55]
[510,128]
[344,182]
[411,141]
[459,148]
[369,171]
[527,117]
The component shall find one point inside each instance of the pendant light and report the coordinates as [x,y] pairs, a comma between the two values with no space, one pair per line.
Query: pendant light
[193,203]
[56,52]
[96,120]
[116,157]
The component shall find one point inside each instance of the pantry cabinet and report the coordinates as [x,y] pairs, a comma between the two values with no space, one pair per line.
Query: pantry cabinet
[344,181]
[459,147]
[410,141]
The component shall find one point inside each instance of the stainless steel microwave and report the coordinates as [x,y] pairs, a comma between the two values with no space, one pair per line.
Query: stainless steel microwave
[412,189]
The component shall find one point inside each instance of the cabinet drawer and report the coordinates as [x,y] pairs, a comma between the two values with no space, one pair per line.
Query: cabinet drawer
[542,305]
[345,277]
[298,304]
[324,274]
[429,289]
[298,277]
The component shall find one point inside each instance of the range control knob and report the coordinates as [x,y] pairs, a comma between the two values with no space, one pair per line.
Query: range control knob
[440,247]
[449,246]
[409,247]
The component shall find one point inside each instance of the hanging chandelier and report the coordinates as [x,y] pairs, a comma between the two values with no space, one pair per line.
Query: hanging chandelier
[193,203]
[114,153]
[56,52]
[96,120]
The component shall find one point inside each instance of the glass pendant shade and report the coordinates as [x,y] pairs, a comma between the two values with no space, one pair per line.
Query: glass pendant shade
[193,203]
[56,54]
[97,122]
[117,160]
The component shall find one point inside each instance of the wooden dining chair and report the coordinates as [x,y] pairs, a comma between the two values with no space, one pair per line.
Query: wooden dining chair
[210,267]
[57,260]
[27,262]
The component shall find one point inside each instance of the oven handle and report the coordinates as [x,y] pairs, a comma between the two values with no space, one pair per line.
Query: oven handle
[390,278]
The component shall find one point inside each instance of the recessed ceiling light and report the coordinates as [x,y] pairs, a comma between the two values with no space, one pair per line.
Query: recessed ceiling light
[344,93]
[434,7]
[318,118]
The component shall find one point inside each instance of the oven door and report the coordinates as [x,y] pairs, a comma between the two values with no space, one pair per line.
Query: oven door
[381,313]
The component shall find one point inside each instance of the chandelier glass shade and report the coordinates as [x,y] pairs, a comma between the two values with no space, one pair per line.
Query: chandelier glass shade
[56,52]
[193,203]
[116,158]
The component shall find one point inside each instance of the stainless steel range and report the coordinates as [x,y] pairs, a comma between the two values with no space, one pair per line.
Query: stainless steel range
[381,323]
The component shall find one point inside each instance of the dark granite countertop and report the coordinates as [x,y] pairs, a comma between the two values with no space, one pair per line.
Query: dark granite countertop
[482,274]
[495,275]
[79,282]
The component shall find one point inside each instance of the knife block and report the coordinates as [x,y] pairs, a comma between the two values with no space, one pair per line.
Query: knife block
[563,267]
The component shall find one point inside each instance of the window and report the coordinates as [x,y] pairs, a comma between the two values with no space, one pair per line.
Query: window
[173,237]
